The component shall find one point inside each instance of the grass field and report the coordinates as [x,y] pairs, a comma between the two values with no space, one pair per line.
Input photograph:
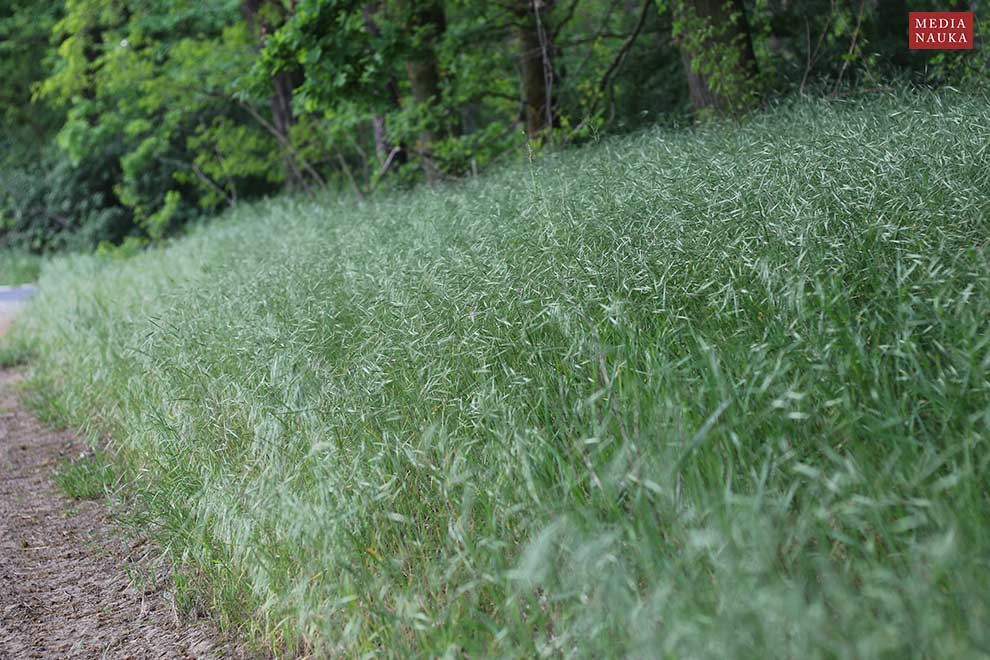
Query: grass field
[720,393]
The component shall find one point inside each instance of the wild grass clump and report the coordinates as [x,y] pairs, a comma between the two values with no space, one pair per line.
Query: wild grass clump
[87,477]
[723,393]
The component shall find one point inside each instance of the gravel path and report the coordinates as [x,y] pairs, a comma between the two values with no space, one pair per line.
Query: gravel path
[66,587]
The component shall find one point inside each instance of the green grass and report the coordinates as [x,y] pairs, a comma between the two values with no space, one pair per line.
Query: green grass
[14,354]
[18,267]
[720,393]
[87,478]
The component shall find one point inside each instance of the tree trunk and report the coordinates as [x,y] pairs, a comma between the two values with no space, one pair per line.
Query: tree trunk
[721,69]
[702,96]
[283,85]
[283,119]
[383,148]
[536,66]
[429,22]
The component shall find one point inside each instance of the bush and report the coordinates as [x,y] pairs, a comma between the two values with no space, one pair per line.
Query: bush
[55,204]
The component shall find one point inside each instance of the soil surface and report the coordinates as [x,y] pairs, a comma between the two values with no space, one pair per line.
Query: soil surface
[70,585]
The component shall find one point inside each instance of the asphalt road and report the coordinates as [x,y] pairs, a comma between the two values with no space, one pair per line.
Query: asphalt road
[16,294]
[12,298]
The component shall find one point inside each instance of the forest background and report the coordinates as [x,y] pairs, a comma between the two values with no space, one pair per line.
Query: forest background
[123,121]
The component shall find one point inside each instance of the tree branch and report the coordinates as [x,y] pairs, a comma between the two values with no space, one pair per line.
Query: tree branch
[852,47]
[617,62]
[284,141]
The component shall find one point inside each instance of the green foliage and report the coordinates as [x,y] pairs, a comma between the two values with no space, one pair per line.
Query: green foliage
[24,54]
[350,54]
[53,203]
[717,54]
[158,88]
[18,267]
[963,68]
[804,45]
[343,61]
[136,118]
[130,247]
[719,393]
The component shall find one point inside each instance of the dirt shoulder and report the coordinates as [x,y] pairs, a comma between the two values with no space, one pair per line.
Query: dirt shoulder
[65,590]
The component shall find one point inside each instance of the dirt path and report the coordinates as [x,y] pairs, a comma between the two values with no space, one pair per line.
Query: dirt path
[64,585]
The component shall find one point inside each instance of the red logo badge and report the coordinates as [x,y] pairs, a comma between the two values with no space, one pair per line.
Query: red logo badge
[940,30]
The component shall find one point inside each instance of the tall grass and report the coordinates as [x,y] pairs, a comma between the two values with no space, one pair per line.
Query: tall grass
[723,393]
[18,267]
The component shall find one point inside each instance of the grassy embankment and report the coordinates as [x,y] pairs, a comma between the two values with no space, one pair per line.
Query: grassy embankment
[721,393]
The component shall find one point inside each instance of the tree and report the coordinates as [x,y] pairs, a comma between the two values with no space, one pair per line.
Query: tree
[263,18]
[392,101]
[717,51]
[25,30]
[536,66]
[133,117]
[428,22]
[151,90]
